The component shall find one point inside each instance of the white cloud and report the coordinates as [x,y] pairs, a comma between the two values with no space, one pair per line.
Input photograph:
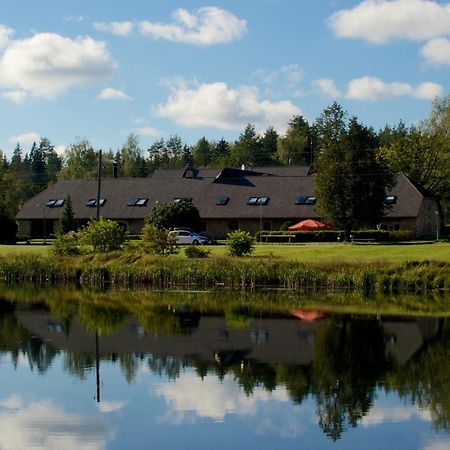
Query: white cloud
[216,105]
[327,87]
[387,413]
[74,18]
[437,52]
[148,131]
[48,64]
[436,445]
[374,89]
[17,97]
[5,35]
[111,406]
[205,26]
[60,149]
[117,28]
[224,397]
[112,94]
[380,21]
[43,425]
[25,138]
[290,74]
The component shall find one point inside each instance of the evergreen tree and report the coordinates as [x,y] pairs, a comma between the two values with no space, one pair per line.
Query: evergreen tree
[296,146]
[67,222]
[351,182]
[202,153]
[269,142]
[247,149]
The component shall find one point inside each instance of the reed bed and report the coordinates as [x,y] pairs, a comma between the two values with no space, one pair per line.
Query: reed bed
[228,272]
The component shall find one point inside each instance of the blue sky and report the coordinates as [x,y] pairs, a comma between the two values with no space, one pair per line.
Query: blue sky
[100,70]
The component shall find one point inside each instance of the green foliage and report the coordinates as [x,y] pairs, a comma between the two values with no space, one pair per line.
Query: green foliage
[247,149]
[194,251]
[67,222]
[157,241]
[240,243]
[103,235]
[66,244]
[295,147]
[175,214]
[351,182]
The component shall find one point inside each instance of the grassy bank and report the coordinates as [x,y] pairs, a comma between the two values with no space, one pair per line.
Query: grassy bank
[133,270]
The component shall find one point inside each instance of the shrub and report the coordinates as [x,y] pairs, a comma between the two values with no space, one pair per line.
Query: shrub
[193,251]
[240,243]
[401,235]
[66,244]
[175,214]
[157,241]
[103,235]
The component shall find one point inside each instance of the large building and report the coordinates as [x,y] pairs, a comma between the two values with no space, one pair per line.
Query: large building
[228,199]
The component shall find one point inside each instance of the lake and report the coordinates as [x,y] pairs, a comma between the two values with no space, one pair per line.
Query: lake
[79,371]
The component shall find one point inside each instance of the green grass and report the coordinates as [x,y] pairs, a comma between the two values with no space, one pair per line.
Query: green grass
[307,253]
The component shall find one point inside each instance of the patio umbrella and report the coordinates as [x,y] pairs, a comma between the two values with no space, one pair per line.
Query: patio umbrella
[309,225]
[307,315]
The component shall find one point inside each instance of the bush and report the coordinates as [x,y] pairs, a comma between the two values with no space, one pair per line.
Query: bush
[157,241]
[66,244]
[401,235]
[103,235]
[240,243]
[175,214]
[193,251]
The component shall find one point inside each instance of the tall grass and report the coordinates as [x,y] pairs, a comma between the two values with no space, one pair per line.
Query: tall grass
[240,273]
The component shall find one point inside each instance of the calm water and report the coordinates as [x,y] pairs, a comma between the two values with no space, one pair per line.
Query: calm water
[76,374]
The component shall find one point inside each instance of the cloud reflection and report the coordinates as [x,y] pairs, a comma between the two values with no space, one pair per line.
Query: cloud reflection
[43,425]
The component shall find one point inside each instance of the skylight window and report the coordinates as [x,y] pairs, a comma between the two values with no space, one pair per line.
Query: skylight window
[137,202]
[222,201]
[55,203]
[305,200]
[258,200]
[390,199]
[92,202]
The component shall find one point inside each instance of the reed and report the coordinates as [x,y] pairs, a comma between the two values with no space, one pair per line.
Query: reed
[241,273]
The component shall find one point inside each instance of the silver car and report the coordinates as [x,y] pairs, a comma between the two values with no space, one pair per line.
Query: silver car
[185,237]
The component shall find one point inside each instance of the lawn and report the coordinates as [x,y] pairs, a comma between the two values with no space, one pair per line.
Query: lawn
[308,252]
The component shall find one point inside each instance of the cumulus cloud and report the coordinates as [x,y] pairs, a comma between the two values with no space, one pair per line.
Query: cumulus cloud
[218,106]
[379,21]
[17,97]
[327,87]
[148,131]
[385,413]
[117,28]
[25,138]
[205,26]
[48,64]
[437,52]
[374,89]
[43,425]
[224,397]
[5,35]
[112,94]
[111,406]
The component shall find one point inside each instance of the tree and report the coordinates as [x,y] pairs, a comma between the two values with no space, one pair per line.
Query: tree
[269,146]
[351,182]
[129,158]
[202,152]
[68,222]
[80,161]
[182,213]
[103,235]
[296,146]
[246,149]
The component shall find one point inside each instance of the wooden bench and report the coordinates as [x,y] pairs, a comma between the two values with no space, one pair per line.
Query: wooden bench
[288,237]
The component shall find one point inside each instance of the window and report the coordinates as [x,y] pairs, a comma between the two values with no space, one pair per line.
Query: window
[55,203]
[390,199]
[92,202]
[181,199]
[222,201]
[258,201]
[137,202]
[305,200]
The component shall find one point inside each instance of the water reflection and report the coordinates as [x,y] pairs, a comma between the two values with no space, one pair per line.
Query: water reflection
[343,370]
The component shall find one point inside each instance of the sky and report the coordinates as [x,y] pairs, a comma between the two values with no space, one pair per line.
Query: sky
[97,70]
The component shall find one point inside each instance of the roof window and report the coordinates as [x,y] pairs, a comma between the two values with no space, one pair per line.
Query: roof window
[390,199]
[92,202]
[137,202]
[305,200]
[258,200]
[222,201]
[55,203]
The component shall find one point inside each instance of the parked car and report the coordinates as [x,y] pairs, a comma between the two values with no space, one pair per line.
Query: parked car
[186,237]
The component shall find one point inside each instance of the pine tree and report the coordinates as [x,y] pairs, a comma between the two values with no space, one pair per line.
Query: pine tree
[67,222]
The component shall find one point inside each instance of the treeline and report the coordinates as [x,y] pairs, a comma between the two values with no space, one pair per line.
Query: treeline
[422,152]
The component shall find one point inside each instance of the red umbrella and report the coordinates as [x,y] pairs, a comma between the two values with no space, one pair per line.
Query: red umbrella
[307,315]
[309,225]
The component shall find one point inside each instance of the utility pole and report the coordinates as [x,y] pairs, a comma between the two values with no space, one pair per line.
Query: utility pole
[99,182]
